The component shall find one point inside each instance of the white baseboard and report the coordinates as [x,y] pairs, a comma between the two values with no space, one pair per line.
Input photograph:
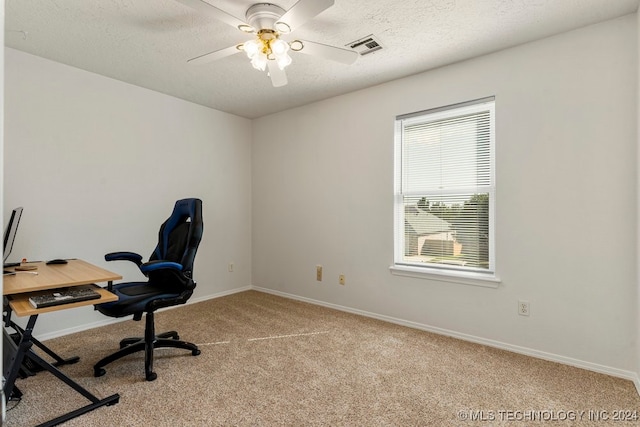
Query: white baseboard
[615,372]
[219,295]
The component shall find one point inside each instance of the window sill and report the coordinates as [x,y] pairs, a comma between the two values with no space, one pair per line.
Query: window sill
[464,278]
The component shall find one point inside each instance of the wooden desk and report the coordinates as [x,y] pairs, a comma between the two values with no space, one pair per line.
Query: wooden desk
[75,272]
[18,288]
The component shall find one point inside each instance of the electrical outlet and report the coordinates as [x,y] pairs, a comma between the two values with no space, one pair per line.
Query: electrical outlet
[341,279]
[319,273]
[523,308]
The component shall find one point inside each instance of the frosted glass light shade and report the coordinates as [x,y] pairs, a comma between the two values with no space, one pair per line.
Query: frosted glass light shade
[251,48]
[279,47]
[283,61]
[259,61]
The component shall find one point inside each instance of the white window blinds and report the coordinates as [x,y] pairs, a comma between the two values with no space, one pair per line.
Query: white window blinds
[445,187]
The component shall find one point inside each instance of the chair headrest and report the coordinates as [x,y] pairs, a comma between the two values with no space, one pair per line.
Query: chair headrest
[184,211]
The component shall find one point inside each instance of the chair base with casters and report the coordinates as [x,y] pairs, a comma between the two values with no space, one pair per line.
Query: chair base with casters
[147,344]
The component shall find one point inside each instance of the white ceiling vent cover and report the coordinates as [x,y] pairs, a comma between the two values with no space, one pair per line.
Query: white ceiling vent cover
[366,45]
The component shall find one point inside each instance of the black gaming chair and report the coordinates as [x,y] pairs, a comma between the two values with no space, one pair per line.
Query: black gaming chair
[170,271]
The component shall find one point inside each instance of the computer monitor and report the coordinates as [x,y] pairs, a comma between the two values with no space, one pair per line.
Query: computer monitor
[10,233]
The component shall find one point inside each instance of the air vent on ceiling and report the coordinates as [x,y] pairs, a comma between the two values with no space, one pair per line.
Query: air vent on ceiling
[366,45]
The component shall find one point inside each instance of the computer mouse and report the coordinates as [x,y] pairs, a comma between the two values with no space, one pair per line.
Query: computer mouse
[57,261]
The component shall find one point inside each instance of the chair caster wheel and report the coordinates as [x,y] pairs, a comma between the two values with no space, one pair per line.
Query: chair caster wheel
[99,372]
[195,352]
[152,376]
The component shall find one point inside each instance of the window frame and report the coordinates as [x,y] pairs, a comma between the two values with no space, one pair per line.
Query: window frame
[448,273]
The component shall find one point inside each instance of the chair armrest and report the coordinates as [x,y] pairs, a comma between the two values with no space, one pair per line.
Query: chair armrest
[124,256]
[159,264]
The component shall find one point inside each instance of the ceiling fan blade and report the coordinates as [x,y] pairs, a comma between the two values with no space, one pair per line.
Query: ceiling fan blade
[278,76]
[214,12]
[333,53]
[214,56]
[303,11]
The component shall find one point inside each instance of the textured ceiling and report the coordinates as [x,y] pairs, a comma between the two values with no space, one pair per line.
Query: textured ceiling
[147,42]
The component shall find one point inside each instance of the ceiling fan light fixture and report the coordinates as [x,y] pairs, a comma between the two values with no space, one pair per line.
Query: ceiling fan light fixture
[267,47]
[267,22]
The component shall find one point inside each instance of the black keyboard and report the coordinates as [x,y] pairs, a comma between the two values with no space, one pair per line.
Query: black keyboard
[63,296]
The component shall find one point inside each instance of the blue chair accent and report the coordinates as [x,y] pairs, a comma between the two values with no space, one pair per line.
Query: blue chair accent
[170,282]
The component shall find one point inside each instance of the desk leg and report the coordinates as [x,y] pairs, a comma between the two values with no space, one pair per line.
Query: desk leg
[59,361]
[95,402]
[24,349]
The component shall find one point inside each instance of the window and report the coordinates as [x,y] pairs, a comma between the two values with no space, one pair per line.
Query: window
[445,190]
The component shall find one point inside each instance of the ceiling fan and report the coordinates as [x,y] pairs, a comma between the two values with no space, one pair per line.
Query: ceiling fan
[268,22]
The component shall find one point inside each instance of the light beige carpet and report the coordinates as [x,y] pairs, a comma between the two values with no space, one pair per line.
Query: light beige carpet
[270,361]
